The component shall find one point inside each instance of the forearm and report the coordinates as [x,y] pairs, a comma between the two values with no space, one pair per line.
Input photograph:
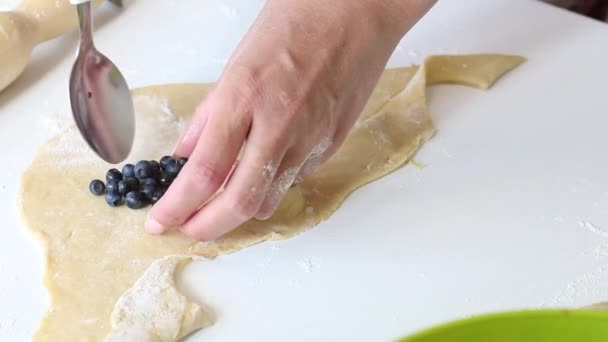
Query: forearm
[391,18]
[404,14]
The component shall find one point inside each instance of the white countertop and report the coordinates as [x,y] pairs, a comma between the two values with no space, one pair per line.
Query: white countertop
[510,212]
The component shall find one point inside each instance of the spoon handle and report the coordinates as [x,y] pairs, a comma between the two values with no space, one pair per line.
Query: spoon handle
[86,25]
[31,23]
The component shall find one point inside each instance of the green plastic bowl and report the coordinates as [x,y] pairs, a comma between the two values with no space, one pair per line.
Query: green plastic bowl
[522,326]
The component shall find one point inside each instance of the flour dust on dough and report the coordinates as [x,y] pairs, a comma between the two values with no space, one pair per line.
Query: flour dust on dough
[95,254]
[153,309]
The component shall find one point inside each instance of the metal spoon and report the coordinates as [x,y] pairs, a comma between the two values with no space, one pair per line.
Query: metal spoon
[100,97]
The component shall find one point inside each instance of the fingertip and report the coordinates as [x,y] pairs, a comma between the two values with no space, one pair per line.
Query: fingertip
[152,226]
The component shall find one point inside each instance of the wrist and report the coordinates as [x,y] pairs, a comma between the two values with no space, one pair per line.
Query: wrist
[396,17]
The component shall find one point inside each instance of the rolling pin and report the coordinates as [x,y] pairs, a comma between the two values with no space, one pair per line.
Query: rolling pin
[31,23]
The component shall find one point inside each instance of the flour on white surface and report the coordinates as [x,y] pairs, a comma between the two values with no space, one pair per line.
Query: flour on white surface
[309,265]
[588,288]
[600,252]
[228,11]
[54,123]
[7,325]
[594,228]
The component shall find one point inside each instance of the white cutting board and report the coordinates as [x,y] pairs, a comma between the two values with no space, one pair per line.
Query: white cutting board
[511,210]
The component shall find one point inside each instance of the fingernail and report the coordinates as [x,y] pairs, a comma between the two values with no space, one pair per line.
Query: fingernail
[263,216]
[153,227]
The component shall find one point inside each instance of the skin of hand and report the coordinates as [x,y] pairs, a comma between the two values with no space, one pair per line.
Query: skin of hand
[285,102]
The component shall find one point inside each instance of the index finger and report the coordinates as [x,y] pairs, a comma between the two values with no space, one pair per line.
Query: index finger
[207,169]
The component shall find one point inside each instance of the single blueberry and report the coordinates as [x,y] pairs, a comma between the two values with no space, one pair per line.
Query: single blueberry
[148,189]
[167,178]
[143,169]
[113,175]
[128,170]
[127,185]
[182,161]
[97,187]
[166,160]
[133,182]
[123,187]
[173,168]
[151,181]
[112,187]
[155,168]
[113,199]
[135,200]
[156,195]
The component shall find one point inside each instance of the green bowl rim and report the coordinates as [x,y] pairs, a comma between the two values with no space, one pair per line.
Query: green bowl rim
[589,313]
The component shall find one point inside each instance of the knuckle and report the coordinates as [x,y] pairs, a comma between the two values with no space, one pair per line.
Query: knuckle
[246,88]
[206,174]
[289,100]
[291,105]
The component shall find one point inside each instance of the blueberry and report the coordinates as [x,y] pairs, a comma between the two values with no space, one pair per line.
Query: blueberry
[112,187]
[128,170]
[167,178]
[151,181]
[97,187]
[113,175]
[155,168]
[135,200]
[173,168]
[166,160]
[182,161]
[113,199]
[123,187]
[156,195]
[148,189]
[127,185]
[143,169]
[133,182]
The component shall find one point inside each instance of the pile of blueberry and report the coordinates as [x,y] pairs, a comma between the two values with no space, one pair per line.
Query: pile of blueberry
[140,184]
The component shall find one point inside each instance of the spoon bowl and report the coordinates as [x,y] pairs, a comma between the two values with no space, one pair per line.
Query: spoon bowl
[100,98]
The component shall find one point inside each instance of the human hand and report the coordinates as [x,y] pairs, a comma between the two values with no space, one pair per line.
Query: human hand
[289,96]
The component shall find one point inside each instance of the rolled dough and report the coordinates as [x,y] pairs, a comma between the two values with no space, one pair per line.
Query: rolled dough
[31,23]
[95,254]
